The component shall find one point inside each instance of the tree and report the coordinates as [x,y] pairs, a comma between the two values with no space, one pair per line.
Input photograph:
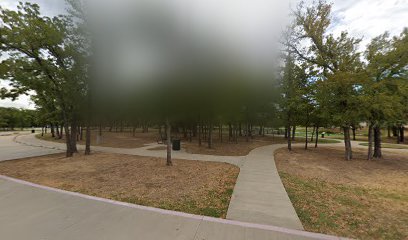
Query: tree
[43,57]
[339,63]
[386,79]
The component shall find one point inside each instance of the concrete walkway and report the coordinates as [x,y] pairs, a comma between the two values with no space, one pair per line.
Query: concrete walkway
[31,140]
[9,149]
[30,211]
[258,197]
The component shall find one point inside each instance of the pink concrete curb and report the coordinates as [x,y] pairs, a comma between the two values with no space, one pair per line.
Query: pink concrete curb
[180,214]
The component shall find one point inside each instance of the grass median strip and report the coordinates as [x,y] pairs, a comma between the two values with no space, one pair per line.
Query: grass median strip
[357,199]
[196,187]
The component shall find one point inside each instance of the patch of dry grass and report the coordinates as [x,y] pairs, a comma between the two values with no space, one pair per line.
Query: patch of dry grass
[223,148]
[242,148]
[113,139]
[190,186]
[358,199]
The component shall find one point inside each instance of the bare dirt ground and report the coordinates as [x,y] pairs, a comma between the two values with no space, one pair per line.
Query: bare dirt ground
[358,199]
[190,186]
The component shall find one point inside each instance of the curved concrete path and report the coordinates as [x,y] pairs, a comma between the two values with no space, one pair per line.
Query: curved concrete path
[9,149]
[258,198]
[259,195]
[30,211]
[31,140]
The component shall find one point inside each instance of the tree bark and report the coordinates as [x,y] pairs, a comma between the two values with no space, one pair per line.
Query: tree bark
[317,136]
[210,140]
[88,139]
[199,134]
[168,133]
[235,134]
[293,133]
[354,132]
[69,152]
[74,137]
[52,131]
[370,142]
[289,138]
[221,133]
[347,143]
[313,133]
[377,142]
[402,135]
[398,137]
[57,131]
[307,140]
[394,131]
[247,132]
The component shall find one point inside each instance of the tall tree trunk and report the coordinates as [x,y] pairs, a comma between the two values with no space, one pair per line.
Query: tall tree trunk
[235,134]
[52,131]
[195,130]
[307,140]
[190,136]
[347,143]
[220,132]
[354,132]
[247,132]
[88,139]
[394,131]
[289,138]
[184,132]
[74,137]
[69,151]
[199,134]
[317,136]
[168,133]
[402,135]
[210,140]
[229,132]
[62,130]
[377,142]
[57,131]
[370,142]
[293,132]
[313,132]
[398,136]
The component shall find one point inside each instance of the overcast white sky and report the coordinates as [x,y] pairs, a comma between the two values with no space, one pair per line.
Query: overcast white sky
[361,18]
